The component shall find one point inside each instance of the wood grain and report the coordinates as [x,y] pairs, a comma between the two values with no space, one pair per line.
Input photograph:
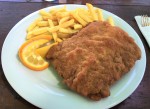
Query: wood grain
[12,12]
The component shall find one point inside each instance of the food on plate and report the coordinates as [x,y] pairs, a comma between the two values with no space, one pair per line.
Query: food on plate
[61,24]
[62,21]
[28,55]
[93,59]
[92,12]
[33,25]
[89,52]
[110,20]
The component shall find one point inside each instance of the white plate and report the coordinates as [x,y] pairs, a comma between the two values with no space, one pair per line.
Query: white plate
[45,90]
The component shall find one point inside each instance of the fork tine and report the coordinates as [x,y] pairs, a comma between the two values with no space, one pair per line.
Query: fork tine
[144,20]
[147,21]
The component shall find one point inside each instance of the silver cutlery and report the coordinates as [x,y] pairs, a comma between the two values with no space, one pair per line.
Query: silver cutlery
[145,20]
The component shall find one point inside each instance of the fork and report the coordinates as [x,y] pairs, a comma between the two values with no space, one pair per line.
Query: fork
[145,20]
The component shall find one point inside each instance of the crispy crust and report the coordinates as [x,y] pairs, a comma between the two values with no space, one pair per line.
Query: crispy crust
[91,61]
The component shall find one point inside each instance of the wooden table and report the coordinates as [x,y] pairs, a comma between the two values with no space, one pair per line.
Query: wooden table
[11,11]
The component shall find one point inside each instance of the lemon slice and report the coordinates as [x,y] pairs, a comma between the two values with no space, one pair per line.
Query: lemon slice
[29,57]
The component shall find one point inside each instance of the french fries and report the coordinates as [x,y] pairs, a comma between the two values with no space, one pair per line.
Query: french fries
[92,11]
[100,15]
[53,29]
[67,24]
[77,26]
[44,13]
[63,30]
[83,16]
[110,20]
[79,19]
[64,19]
[59,40]
[63,35]
[61,23]
[42,23]
[40,31]
[51,25]
[33,25]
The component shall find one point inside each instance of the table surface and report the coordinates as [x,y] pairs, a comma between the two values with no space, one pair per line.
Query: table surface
[12,11]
